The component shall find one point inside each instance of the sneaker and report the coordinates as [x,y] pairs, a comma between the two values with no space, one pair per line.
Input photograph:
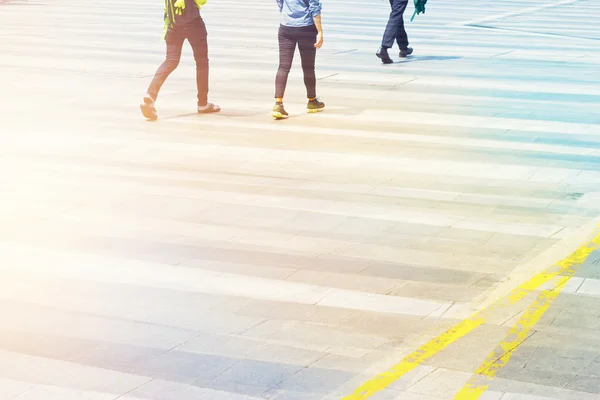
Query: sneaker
[383,55]
[315,105]
[279,112]
[148,108]
[406,52]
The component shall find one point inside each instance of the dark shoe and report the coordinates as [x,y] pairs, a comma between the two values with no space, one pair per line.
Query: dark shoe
[279,112]
[406,52]
[148,108]
[383,55]
[315,106]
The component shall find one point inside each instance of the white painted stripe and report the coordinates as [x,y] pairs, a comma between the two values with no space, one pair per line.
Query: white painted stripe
[344,208]
[23,260]
[50,144]
[527,10]
[511,85]
[431,118]
[317,162]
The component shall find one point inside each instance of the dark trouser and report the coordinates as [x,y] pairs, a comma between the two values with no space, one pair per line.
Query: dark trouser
[195,33]
[305,37]
[394,31]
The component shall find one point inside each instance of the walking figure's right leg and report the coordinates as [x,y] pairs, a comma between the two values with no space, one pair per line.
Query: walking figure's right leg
[287,47]
[174,43]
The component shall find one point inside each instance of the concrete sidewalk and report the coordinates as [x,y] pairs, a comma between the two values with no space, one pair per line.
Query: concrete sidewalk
[234,257]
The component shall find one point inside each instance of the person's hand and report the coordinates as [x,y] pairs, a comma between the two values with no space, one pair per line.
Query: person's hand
[319,42]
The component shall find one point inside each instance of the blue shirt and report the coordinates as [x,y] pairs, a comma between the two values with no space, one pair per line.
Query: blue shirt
[297,13]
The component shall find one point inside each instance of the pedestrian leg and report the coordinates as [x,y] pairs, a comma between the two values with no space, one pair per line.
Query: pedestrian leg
[287,47]
[391,33]
[197,36]
[308,52]
[174,41]
[401,36]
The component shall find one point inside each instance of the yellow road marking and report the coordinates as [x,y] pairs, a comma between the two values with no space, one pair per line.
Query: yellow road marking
[413,360]
[500,356]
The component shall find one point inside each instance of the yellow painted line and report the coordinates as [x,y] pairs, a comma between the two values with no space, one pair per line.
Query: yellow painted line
[498,358]
[413,360]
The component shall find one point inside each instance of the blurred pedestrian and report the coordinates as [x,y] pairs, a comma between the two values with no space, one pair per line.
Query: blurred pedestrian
[395,32]
[182,21]
[300,25]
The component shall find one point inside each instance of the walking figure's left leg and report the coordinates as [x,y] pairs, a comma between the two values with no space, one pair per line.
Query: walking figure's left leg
[198,40]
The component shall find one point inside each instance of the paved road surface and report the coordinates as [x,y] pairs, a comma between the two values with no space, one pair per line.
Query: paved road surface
[235,257]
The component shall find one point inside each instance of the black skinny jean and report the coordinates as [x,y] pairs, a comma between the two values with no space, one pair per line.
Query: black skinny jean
[195,33]
[305,37]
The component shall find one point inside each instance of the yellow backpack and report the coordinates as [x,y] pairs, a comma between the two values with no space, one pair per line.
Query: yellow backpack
[176,8]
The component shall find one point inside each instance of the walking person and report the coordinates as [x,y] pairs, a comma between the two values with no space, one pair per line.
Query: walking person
[300,25]
[395,32]
[182,21]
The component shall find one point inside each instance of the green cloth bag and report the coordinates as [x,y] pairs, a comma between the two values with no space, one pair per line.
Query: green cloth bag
[419,8]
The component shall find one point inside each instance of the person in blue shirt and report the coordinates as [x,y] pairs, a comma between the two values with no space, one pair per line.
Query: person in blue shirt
[300,25]
[182,21]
